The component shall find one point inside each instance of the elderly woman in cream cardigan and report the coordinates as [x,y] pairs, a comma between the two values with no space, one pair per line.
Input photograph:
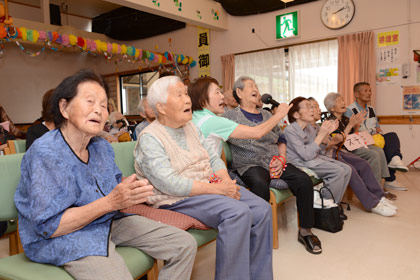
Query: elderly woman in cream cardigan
[172,154]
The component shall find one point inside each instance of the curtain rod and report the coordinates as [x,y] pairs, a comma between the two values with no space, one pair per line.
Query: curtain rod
[287,46]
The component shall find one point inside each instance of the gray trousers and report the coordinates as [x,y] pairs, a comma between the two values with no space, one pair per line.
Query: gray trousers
[336,176]
[176,247]
[244,245]
[375,156]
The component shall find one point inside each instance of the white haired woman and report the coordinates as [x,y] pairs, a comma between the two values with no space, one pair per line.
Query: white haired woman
[147,113]
[375,156]
[189,178]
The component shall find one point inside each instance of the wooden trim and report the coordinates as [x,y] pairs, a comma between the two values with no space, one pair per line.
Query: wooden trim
[138,71]
[399,119]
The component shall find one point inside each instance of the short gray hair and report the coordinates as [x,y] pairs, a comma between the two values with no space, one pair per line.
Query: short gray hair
[113,117]
[158,92]
[240,83]
[140,107]
[329,100]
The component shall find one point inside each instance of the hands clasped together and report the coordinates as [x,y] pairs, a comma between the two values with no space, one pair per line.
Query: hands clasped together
[130,192]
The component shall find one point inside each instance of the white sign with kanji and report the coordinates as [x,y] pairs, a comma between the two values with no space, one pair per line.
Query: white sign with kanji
[358,140]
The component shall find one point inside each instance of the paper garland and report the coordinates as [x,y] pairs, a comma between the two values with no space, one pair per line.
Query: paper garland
[94,47]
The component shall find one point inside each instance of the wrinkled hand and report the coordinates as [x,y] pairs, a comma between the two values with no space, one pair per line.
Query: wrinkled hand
[328,126]
[338,138]
[111,139]
[228,188]
[277,167]
[283,109]
[358,118]
[129,192]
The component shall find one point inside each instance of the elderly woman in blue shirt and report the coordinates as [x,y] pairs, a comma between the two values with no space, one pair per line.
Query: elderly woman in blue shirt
[190,178]
[71,191]
[304,148]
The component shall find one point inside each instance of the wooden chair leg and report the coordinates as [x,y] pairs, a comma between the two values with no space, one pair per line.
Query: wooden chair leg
[14,244]
[273,204]
[349,193]
[154,272]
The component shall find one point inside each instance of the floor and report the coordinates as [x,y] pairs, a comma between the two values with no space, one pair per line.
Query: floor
[369,247]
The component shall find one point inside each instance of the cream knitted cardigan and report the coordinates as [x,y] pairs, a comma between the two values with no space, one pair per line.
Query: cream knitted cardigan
[193,164]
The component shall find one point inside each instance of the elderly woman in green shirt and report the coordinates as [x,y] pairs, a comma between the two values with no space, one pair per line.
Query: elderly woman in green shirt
[208,102]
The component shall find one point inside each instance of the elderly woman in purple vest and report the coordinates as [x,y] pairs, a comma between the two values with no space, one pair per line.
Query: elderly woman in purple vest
[172,154]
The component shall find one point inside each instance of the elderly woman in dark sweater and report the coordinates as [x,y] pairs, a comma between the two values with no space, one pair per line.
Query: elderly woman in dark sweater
[261,160]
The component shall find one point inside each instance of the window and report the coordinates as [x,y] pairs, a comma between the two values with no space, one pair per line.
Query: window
[133,88]
[303,70]
[313,70]
[268,69]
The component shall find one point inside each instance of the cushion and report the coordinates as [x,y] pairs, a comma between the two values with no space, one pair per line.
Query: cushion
[274,183]
[168,217]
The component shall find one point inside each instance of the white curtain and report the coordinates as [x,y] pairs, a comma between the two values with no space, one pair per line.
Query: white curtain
[268,69]
[313,70]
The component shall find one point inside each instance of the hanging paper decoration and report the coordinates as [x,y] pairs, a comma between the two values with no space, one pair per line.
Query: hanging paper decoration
[178,3]
[57,42]
[156,2]
[215,14]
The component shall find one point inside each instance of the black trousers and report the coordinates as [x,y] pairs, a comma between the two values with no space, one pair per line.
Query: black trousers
[300,184]
[391,149]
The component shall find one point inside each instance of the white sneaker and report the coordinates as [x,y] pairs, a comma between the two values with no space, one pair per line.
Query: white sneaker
[388,203]
[383,210]
[395,185]
[396,163]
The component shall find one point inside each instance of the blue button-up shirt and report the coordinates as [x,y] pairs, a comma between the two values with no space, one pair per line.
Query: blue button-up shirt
[54,179]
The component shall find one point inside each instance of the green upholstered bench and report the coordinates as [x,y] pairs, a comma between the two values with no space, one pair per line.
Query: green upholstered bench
[19,266]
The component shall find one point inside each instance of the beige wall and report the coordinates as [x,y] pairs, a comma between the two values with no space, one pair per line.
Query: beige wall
[24,79]
[377,15]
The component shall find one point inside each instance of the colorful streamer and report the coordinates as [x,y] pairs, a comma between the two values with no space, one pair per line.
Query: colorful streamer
[95,47]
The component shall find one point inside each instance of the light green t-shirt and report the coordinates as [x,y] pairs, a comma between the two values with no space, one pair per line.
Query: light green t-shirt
[214,128]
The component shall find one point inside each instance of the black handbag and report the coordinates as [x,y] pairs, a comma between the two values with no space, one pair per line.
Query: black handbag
[327,219]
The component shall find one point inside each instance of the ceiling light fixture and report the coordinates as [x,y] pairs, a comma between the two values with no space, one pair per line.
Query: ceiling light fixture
[287,1]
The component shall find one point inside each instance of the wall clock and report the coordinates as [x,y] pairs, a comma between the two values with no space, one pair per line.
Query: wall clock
[336,14]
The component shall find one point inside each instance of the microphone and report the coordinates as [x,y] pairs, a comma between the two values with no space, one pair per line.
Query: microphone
[268,99]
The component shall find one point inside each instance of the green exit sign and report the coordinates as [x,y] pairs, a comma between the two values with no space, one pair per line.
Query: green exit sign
[287,25]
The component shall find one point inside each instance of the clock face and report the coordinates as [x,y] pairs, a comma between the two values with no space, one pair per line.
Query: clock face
[336,14]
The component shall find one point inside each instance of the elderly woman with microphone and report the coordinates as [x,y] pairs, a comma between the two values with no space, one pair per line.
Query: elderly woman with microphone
[262,160]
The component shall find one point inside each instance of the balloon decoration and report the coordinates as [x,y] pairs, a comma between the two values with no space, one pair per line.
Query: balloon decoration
[57,42]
